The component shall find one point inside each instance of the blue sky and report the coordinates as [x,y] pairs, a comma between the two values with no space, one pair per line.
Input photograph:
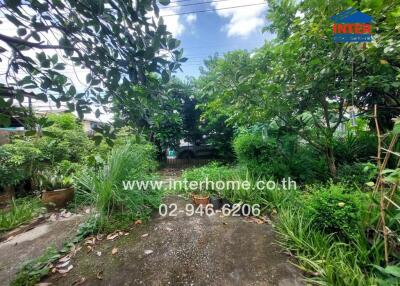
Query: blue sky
[220,31]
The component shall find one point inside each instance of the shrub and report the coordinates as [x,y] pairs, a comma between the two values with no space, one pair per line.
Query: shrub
[354,174]
[335,211]
[65,121]
[330,262]
[355,146]
[104,188]
[260,156]
[279,157]
[17,162]
[22,211]
[72,145]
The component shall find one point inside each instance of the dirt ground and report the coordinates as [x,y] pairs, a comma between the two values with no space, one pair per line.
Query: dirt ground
[185,250]
[33,243]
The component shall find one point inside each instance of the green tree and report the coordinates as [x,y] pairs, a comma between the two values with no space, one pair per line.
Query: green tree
[117,41]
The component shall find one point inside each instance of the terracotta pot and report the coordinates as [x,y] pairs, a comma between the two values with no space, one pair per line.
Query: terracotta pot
[58,198]
[5,199]
[200,200]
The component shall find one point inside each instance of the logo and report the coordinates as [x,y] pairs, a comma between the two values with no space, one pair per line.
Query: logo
[352,25]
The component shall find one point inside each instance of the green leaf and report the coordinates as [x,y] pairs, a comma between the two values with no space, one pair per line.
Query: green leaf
[21,32]
[59,66]
[30,133]
[393,270]
[165,2]
[97,139]
[5,120]
[165,75]
[54,59]
[396,128]
[41,57]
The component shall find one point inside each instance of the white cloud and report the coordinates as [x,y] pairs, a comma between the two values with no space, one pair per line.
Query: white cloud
[242,21]
[191,18]
[174,23]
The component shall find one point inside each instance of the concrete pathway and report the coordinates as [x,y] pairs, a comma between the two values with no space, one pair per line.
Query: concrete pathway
[33,243]
[185,250]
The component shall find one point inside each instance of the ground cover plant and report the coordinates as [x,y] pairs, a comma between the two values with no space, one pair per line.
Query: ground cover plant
[21,211]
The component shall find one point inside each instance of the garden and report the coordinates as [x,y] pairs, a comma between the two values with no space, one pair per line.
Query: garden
[301,111]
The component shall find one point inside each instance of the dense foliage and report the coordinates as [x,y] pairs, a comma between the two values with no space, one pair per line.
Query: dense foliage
[116,43]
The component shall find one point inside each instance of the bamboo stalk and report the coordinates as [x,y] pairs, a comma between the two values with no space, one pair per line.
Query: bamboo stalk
[378,132]
[385,233]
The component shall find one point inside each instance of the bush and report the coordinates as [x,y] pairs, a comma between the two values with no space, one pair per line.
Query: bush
[22,211]
[335,211]
[65,121]
[354,174]
[214,171]
[104,189]
[279,157]
[17,162]
[72,145]
[260,156]
[357,145]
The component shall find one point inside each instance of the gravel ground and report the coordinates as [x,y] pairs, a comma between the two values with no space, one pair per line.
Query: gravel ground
[185,250]
[33,243]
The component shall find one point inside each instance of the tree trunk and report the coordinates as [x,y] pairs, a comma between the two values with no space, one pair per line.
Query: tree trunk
[330,157]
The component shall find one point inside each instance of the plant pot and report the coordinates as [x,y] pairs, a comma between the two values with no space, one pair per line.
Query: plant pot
[5,199]
[7,196]
[216,202]
[58,198]
[200,200]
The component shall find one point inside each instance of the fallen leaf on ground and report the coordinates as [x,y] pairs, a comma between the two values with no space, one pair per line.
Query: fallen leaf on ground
[253,219]
[63,264]
[80,281]
[147,252]
[99,275]
[112,236]
[139,221]
[64,271]
[145,235]
[114,251]
[64,259]
[90,241]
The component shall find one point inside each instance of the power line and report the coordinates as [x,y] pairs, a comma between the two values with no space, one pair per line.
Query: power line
[210,10]
[193,4]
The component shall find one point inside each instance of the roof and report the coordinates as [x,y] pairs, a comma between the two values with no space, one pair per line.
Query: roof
[352,16]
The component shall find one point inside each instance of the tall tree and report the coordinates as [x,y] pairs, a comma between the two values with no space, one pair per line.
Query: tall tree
[119,43]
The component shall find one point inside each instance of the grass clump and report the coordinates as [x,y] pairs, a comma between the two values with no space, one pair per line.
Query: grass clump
[22,211]
[103,188]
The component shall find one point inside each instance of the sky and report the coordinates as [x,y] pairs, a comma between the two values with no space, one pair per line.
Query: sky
[202,34]
[206,33]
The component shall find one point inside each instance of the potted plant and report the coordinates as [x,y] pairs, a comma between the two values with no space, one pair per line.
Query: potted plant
[200,198]
[6,196]
[216,200]
[57,189]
